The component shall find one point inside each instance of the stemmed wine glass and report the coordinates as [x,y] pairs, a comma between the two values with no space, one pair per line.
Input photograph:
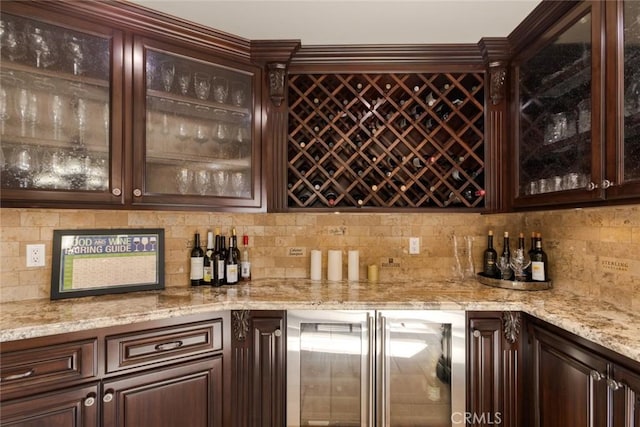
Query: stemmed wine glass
[57,115]
[22,107]
[167,72]
[12,41]
[75,47]
[504,266]
[41,42]
[4,110]
[519,263]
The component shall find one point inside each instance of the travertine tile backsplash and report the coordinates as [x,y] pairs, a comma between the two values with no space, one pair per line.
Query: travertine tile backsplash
[592,251]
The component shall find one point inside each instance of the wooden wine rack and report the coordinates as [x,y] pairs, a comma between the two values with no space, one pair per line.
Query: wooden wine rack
[386,141]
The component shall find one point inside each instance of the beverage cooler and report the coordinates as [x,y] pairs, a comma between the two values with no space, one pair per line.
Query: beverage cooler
[386,368]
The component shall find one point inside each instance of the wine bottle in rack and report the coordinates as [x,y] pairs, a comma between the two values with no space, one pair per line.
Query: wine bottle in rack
[489,258]
[197,262]
[303,197]
[330,197]
[539,262]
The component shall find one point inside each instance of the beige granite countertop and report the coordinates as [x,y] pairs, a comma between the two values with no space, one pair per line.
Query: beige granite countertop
[594,320]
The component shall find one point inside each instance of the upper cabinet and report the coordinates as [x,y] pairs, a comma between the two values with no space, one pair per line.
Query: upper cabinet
[60,105]
[576,121]
[105,103]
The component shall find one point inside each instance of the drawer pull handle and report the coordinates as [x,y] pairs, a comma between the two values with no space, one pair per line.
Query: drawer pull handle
[169,346]
[19,376]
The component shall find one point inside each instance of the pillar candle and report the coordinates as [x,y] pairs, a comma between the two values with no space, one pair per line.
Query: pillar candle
[316,265]
[354,266]
[372,273]
[334,266]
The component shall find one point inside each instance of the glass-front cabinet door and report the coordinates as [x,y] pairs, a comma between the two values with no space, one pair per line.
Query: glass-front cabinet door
[60,120]
[195,129]
[560,146]
[623,156]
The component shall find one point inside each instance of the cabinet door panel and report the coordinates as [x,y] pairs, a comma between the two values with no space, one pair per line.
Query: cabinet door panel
[189,395]
[569,383]
[60,111]
[195,128]
[76,407]
[626,398]
[268,361]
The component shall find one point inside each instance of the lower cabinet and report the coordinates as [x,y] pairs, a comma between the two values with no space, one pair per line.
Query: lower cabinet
[186,395]
[575,383]
[258,385]
[164,373]
[73,407]
[494,369]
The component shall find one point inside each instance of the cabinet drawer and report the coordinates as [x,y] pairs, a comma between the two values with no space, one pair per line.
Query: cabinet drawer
[129,351]
[43,368]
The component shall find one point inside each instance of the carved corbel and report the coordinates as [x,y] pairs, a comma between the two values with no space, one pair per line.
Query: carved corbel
[511,326]
[240,324]
[498,74]
[277,72]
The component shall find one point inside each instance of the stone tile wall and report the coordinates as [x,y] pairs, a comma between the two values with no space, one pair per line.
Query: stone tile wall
[592,251]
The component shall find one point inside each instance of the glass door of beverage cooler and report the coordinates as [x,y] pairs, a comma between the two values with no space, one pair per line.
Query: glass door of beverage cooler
[329,368]
[420,367]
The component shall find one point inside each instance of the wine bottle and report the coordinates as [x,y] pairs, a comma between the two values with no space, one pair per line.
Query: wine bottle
[215,262]
[530,254]
[236,249]
[506,254]
[231,262]
[245,264]
[331,197]
[539,262]
[208,260]
[489,258]
[222,256]
[197,262]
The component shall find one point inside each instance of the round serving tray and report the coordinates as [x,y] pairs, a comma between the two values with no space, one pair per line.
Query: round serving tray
[513,284]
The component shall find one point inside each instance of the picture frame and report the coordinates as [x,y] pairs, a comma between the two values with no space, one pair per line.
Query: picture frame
[106,261]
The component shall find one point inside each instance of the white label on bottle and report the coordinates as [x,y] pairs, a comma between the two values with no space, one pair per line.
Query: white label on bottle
[232,273]
[197,268]
[220,269]
[537,271]
[245,269]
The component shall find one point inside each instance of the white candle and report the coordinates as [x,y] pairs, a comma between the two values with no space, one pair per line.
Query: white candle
[334,266]
[354,266]
[316,265]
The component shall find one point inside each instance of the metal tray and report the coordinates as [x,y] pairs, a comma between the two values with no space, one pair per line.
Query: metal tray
[513,284]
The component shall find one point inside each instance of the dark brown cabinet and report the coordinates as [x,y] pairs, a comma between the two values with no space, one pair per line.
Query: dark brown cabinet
[160,373]
[494,368]
[576,104]
[100,106]
[258,364]
[575,383]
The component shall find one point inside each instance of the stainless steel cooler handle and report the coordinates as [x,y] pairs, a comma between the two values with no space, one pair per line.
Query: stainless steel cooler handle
[371,324]
[385,415]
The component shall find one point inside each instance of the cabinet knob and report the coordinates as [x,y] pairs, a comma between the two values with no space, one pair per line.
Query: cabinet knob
[116,192]
[606,184]
[277,333]
[108,396]
[476,333]
[137,192]
[614,385]
[591,186]
[89,400]
[596,376]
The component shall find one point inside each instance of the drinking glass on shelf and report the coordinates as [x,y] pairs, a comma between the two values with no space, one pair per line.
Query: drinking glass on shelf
[12,41]
[184,179]
[22,166]
[238,93]
[81,117]
[202,85]
[220,89]
[184,79]
[238,183]
[22,100]
[203,181]
[220,180]
[56,113]
[4,109]
[221,131]
[42,44]
[74,46]
[167,72]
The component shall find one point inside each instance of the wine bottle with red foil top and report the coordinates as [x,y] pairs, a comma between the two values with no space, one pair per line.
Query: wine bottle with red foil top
[245,263]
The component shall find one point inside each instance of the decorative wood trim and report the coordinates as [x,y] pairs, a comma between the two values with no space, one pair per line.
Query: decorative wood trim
[240,324]
[277,73]
[511,321]
[434,54]
[497,78]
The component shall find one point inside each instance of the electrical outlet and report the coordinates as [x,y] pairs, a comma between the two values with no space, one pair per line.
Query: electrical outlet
[35,255]
[414,245]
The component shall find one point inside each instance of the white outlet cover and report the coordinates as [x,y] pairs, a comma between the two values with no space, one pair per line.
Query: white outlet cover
[414,245]
[35,255]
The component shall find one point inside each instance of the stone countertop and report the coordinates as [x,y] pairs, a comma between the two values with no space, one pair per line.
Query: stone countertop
[594,320]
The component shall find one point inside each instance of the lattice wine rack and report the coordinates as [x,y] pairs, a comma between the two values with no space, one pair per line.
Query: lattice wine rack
[386,141]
